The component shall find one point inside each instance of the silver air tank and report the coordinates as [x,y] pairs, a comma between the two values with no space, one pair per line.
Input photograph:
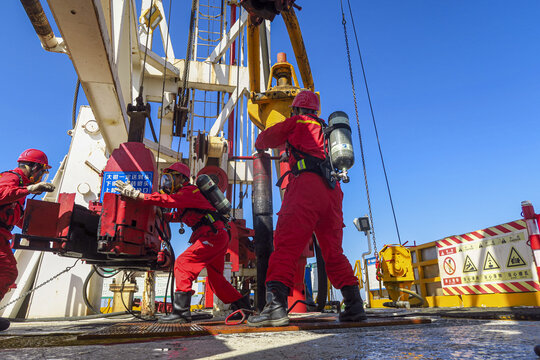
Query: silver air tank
[213,194]
[340,144]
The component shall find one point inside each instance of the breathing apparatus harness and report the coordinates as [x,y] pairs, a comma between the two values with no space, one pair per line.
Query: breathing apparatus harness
[209,219]
[6,207]
[207,189]
[306,162]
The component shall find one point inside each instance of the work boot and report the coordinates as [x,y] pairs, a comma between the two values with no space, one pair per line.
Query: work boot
[181,308]
[275,310]
[354,306]
[4,324]
[244,304]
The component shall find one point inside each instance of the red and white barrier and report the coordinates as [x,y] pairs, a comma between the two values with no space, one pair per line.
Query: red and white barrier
[531,218]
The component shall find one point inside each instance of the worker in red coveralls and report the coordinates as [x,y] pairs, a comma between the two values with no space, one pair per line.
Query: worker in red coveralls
[15,185]
[209,240]
[309,205]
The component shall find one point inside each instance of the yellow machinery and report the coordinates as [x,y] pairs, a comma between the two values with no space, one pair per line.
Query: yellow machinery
[272,106]
[396,272]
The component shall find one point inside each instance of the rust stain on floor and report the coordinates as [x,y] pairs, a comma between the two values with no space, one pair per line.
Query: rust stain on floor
[142,330]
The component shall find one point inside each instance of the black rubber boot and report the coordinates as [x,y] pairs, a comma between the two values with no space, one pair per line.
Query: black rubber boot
[181,309]
[354,306]
[4,324]
[275,310]
[244,304]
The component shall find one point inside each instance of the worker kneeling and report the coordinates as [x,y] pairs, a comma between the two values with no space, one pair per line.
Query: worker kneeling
[312,203]
[209,240]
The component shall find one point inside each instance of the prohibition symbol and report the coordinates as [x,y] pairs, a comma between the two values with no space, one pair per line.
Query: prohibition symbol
[449,266]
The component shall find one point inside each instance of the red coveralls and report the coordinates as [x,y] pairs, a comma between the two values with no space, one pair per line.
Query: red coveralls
[208,248]
[309,205]
[12,197]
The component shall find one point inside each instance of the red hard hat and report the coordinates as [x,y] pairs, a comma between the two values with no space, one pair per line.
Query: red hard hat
[179,167]
[34,156]
[307,99]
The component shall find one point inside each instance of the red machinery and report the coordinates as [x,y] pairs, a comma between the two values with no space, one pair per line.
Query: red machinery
[113,232]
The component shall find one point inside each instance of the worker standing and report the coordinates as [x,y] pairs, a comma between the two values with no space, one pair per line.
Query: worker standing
[209,240]
[15,185]
[310,204]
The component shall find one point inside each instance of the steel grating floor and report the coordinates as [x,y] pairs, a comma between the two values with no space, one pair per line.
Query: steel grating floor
[314,322]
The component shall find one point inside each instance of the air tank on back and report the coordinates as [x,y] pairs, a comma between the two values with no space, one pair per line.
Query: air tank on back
[213,194]
[340,143]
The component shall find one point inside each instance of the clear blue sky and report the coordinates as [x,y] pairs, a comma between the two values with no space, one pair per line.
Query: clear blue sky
[455,87]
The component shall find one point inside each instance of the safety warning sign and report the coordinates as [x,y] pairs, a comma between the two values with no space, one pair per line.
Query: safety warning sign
[490,263]
[469,265]
[514,259]
[493,260]
[449,266]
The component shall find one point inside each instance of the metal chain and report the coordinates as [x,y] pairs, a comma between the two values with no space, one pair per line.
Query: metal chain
[344,22]
[40,285]
[374,124]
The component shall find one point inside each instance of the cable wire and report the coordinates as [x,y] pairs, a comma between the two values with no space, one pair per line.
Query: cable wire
[150,33]
[74,109]
[372,116]
[344,22]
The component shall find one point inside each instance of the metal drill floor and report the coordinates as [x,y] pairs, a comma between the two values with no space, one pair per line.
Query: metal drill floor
[312,322]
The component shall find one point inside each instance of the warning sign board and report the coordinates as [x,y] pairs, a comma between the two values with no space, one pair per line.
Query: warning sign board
[469,265]
[449,266]
[492,260]
[490,263]
[515,260]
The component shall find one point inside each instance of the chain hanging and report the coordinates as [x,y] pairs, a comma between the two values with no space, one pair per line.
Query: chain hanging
[40,285]
[344,22]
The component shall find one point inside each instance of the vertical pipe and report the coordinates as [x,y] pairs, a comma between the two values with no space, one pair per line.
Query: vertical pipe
[253,45]
[241,126]
[265,56]
[230,132]
[262,220]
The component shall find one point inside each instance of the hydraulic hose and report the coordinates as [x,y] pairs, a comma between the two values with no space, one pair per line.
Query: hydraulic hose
[407,291]
[85,292]
[322,278]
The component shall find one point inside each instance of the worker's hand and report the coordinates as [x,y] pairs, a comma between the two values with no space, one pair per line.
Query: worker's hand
[127,190]
[40,187]
[284,157]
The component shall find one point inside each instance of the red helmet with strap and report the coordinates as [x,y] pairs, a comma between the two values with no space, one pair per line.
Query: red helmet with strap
[34,156]
[179,167]
[307,100]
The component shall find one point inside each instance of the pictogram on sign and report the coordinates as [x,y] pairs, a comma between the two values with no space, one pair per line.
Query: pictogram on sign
[469,266]
[490,263]
[449,266]
[514,259]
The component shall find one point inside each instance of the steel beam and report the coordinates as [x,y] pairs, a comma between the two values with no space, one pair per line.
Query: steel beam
[83,26]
